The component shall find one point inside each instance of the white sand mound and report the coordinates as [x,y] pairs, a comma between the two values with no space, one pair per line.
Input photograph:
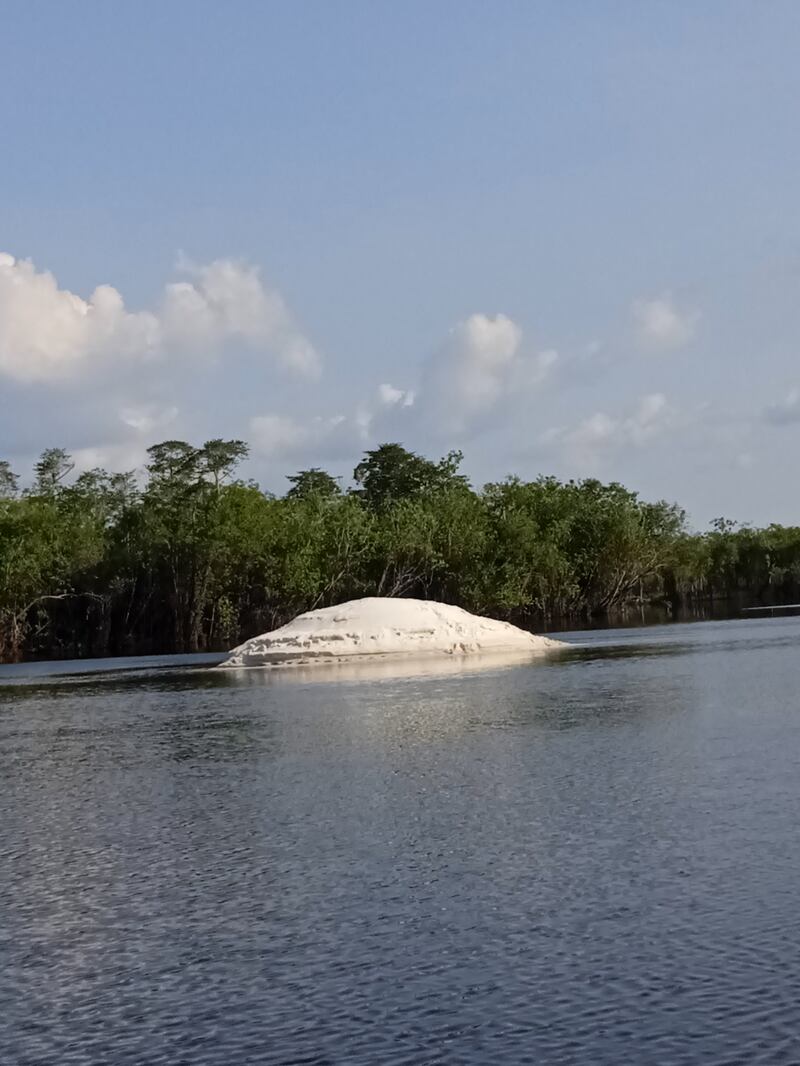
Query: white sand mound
[385,627]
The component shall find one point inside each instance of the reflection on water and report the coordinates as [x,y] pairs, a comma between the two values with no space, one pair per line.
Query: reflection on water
[387,667]
[586,859]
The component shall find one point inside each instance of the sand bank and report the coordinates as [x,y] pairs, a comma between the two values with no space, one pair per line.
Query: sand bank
[388,628]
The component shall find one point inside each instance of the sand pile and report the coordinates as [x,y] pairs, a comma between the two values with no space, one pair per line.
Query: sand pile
[385,627]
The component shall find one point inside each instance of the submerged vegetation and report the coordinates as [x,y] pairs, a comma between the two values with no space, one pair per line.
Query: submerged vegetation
[193,558]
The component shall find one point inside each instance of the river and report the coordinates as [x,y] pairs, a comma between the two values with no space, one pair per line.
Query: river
[588,860]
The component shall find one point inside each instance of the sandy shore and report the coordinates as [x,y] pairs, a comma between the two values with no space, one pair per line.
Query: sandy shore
[376,627]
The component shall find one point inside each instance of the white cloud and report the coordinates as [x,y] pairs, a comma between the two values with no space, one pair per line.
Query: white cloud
[148,417]
[49,334]
[389,396]
[274,436]
[660,324]
[277,434]
[388,409]
[480,365]
[785,411]
[651,417]
[228,300]
[595,431]
[114,457]
[477,373]
[602,433]
[319,438]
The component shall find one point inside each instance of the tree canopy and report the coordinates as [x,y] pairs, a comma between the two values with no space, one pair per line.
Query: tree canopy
[391,473]
[313,484]
[190,556]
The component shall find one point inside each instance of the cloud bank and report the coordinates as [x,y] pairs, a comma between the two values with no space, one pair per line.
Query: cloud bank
[599,434]
[481,365]
[126,380]
[659,324]
[465,387]
[50,334]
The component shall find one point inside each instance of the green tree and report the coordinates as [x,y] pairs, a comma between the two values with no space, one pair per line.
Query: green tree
[218,460]
[9,482]
[191,557]
[313,482]
[53,466]
[180,518]
[391,473]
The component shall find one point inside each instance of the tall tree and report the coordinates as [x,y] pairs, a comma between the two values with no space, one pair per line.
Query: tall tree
[219,459]
[313,484]
[391,473]
[53,466]
[194,557]
[9,482]
[182,511]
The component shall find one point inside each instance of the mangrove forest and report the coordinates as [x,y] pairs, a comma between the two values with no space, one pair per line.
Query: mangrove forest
[188,556]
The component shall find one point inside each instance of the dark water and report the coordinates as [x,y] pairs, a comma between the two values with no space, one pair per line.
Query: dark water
[592,861]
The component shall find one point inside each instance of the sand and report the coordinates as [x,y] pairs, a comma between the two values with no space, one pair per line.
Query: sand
[361,630]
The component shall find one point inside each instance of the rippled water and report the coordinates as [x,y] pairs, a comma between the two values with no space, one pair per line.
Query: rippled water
[593,860]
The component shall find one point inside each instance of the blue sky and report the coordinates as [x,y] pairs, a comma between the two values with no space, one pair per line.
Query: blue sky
[563,237]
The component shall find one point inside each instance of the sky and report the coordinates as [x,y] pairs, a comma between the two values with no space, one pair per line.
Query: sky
[561,237]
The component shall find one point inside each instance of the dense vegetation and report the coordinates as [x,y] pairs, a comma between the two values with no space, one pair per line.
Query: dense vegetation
[193,558]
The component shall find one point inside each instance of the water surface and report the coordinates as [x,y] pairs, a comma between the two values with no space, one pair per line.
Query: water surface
[588,860]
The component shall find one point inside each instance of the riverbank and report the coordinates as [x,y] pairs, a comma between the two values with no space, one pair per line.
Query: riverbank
[633,618]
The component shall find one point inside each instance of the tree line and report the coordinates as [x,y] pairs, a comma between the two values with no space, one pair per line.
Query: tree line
[192,557]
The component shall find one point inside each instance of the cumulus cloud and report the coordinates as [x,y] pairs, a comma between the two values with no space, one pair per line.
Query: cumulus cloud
[601,433]
[320,438]
[117,457]
[480,365]
[660,324]
[124,392]
[147,418]
[785,411]
[651,417]
[275,436]
[389,396]
[474,376]
[49,334]
[229,300]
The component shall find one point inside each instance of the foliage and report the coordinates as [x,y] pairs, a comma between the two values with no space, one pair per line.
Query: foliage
[390,473]
[193,557]
[313,483]
[9,481]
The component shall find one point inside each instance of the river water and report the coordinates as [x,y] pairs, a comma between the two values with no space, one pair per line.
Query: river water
[589,860]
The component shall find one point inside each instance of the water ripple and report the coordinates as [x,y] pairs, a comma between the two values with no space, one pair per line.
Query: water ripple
[592,862]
